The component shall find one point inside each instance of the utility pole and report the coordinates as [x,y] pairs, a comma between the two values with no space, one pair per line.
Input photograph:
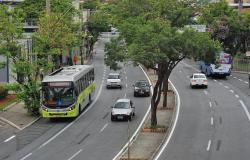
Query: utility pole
[128,140]
[240,7]
[47,7]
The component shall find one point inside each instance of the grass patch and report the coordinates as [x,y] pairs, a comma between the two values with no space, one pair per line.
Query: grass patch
[6,102]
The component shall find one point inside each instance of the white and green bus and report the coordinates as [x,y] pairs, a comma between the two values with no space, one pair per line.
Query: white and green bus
[67,91]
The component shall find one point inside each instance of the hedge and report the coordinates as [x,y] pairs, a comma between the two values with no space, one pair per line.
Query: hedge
[3,91]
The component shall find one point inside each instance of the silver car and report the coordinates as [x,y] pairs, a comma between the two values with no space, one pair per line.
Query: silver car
[114,81]
[123,110]
[198,80]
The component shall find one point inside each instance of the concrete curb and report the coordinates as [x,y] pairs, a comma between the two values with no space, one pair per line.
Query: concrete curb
[9,106]
[170,128]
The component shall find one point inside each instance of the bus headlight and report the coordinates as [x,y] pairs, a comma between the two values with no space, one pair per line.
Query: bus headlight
[71,107]
[45,109]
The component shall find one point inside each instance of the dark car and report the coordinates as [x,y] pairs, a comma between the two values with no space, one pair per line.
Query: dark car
[141,88]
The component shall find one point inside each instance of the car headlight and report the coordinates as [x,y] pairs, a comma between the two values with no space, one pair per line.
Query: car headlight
[112,112]
[72,107]
[136,88]
[128,113]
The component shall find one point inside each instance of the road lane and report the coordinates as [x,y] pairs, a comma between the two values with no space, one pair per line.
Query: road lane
[83,139]
[218,131]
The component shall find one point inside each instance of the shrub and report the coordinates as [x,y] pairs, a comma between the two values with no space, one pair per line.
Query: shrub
[3,91]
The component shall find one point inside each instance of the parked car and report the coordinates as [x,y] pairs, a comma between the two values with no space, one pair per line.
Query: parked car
[114,81]
[123,109]
[198,80]
[141,88]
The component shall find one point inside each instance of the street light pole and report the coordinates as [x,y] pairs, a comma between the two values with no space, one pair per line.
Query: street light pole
[240,7]
[128,140]
[48,7]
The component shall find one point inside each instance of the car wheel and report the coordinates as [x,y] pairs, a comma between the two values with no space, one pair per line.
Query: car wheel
[205,86]
[135,94]
[130,118]
[112,118]
[191,86]
[133,113]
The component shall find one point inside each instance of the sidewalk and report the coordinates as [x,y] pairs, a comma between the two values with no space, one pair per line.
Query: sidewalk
[17,117]
[149,141]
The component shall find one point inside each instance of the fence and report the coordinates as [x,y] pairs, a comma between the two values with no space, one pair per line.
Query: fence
[242,65]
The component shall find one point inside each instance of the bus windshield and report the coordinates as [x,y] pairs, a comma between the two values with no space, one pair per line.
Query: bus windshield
[58,97]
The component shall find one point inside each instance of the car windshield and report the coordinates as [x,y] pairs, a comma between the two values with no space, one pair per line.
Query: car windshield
[112,76]
[199,76]
[122,105]
[141,84]
[55,97]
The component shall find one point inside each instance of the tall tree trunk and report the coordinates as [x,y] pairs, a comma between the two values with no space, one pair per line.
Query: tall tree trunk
[165,92]
[155,100]
[81,53]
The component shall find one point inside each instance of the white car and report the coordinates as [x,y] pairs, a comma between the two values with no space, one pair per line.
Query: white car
[199,80]
[114,80]
[123,109]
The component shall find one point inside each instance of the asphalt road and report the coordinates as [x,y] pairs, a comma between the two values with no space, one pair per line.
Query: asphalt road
[92,136]
[213,123]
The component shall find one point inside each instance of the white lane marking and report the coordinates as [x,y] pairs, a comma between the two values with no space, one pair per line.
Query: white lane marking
[10,123]
[180,71]
[231,75]
[126,77]
[142,122]
[174,125]
[65,128]
[245,109]
[126,85]
[220,83]
[212,121]
[210,104]
[208,145]
[74,155]
[235,77]
[26,156]
[215,80]
[206,93]
[104,127]
[226,87]
[125,95]
[7,140]
[232,91]
[246,82]
[240,80]
[237,96]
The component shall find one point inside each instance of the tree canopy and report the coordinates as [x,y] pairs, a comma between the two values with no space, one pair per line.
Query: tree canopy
[155,37]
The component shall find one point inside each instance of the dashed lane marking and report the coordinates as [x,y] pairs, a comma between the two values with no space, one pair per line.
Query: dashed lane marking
[26,156]
[104,127]
[245,109]
[212,121]
[226,87]
[237,96]
[7,140]
[206,93]
[232,91]
[246,82]
[240,80]
[210,104]
[74,155]
[209,145]
[220,83]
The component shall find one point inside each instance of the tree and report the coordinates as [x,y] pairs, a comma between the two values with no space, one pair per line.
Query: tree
[55,35]
[155,37]
[34,9]
[227,26]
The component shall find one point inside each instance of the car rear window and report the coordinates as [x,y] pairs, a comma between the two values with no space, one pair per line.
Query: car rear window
[122,105]
[199,76]
[113,76]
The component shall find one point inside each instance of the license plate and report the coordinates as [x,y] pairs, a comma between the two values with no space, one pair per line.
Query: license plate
[119,117]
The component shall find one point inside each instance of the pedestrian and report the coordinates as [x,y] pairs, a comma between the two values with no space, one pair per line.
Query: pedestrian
[75,59]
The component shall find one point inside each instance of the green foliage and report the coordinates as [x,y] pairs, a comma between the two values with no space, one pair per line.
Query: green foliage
[3,91]
[90,4]
[34,9]
[30,94]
